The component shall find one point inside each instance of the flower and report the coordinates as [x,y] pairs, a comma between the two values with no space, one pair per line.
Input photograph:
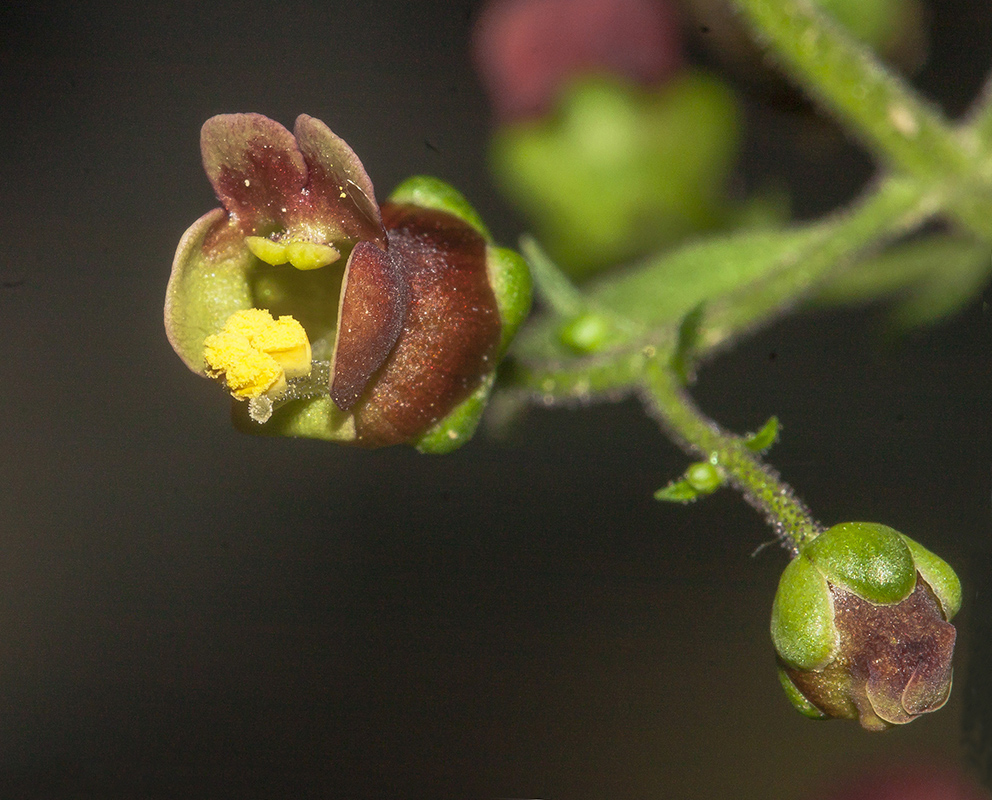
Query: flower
[861,625]
[331,317]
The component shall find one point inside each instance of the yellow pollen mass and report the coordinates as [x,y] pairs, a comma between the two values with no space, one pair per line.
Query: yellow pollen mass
[255,354]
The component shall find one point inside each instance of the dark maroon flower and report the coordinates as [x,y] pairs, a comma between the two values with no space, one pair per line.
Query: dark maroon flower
[390,323]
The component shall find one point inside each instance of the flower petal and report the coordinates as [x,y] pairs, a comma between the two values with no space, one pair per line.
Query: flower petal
[375,297]
[256,169]
[451,333]
[205,289]
[339,187]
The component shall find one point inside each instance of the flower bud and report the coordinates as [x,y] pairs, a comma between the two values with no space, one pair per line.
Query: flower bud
[526,51]
[620,170]
[390,321]
[861,626]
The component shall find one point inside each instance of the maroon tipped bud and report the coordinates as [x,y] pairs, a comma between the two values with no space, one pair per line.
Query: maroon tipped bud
[526,50]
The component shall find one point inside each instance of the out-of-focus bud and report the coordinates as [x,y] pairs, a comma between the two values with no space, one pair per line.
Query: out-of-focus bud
[391,321]
[607,145]
[527,51]
[914,780]
[620,170]
[861,626]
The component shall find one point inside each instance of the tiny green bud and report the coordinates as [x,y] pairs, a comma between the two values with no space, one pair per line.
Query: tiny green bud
[586,333]
[861,626]
[704,477]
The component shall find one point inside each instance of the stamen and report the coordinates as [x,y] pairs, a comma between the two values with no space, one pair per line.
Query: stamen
[266,250]
[311,255]
[255,354]
[315,384]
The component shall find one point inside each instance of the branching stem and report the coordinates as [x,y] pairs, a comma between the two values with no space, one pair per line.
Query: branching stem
[759,483]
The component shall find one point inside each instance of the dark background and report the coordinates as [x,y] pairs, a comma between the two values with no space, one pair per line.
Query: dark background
[189,612]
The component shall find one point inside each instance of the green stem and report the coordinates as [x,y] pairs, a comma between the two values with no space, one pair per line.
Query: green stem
[758,482]
[895,206]
[908,133]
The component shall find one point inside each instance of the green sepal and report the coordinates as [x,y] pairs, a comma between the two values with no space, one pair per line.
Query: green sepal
[802,626]
[430,192]
[765,438]
[510,279]
[865,558]
[457,427]
[799,702]
[939,576]
[678,492]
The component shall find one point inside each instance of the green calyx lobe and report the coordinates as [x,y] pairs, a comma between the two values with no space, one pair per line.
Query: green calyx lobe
[426,191]
[867,559]
[803,627]
[796,697]
[939,575]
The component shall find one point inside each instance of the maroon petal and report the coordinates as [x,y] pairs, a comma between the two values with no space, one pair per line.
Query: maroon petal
[374,300]
[255,168]
[339,188]
[450,334]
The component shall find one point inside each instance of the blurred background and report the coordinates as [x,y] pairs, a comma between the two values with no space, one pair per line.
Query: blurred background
[189,612]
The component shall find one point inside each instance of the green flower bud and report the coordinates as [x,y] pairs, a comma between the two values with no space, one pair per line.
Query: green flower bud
[861,626]
[620,170]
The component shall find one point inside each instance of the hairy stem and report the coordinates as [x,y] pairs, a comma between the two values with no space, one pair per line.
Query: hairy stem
[889,117]
[758,482]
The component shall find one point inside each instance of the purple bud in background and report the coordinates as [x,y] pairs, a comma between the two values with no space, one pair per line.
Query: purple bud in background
[526,50]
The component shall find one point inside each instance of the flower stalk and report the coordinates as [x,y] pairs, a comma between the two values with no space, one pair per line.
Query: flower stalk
[760,485]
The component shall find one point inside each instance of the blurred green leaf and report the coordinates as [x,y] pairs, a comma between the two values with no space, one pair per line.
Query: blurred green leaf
[928,279]
[765,438]
[677,492]
[684,358]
